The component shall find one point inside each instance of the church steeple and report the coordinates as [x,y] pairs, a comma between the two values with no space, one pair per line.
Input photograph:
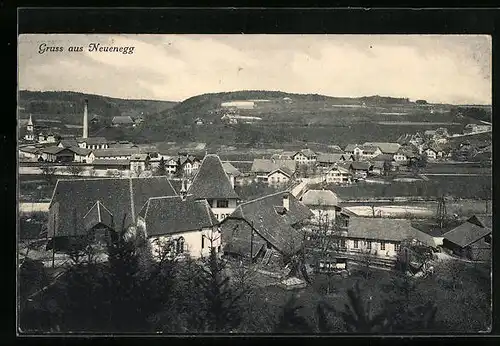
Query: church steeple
[29,136]
[30,122]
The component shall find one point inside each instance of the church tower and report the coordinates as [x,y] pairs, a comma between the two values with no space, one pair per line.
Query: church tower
[29,131]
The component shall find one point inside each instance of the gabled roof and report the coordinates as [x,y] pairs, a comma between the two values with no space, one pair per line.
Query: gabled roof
[351,147]
[320,198]
[115,152]
[68,143]
[171,214]
[340,168]
[110,162]
[467,233]
[330,158]
[370,149]
[306,152]
[211,181]
[92,140]
[29,150]
[53,150]
[139,157]
[230,169]
[80,151]
[385,147]
[360,165]
[267,165]
[383,157]
[123,119]
[283,170]
[123,198]
[381,229]
[98,215]
[267,222]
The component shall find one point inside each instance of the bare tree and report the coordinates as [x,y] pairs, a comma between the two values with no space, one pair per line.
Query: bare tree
[74,170]
[48,172]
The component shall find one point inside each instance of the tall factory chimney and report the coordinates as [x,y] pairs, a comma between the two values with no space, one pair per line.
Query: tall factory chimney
[85,120]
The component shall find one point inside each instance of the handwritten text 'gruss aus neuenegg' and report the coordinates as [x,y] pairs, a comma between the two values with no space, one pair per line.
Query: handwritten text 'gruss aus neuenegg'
[92,48]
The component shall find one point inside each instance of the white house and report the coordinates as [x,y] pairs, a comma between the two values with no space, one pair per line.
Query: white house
[93,143]
[370,151]
[323,203]
[338,175]
[278,176]
[139,163]
[181,226]
[305,156]
[82,155]
[213,184]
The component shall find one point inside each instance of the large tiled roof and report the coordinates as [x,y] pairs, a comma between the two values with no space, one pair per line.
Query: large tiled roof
[169,215]
[351,147]
[116,152]
[230,169]
[469,232]
[383,157]
[360,165]
[370,149]
[342,168]
[307,153]
[330,158]
[68,143]
[211,182]
[123,197]
[267,165]
[93,140]
[320,198]
[80,151]
[381,229]
[386,148]
[53,150]
[275,228]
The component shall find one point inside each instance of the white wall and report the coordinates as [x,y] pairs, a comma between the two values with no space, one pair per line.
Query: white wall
[192,241]
[222,213]
[277,178]
[390,250]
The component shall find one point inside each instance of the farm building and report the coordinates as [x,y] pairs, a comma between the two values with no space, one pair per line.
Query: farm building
[305,156]
[93,143]
[338,174]
[279,176]
[266,227]
[323,203]
[262,167]
[385,148]
[472,239]
[185,225]
[123,120]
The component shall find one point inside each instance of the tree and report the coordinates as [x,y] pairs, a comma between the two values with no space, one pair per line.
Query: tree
[289,320]
[74,170]
[222,310]
[358,315]
[161,170]
[48,172]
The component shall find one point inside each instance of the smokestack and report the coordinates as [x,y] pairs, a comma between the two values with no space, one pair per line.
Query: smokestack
[286,202]
[85,120]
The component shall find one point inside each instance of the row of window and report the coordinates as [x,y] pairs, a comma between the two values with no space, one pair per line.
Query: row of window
[369,245]
[221,203]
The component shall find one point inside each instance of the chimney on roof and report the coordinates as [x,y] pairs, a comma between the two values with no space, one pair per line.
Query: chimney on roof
[286,201]
[85,120]
[231,179]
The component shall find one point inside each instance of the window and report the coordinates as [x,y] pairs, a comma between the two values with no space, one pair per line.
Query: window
[356,244]
[210,202]
[342,243]
[382,246]
[223,203]
[369,245]
[202,241]
[216,216]
[180,245]
[397,246]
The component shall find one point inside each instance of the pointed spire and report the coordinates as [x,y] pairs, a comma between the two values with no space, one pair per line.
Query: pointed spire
[30,121]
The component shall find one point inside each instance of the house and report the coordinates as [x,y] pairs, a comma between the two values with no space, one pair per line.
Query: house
[188,164]
[471,240]
[111,168]
[385,147]
[327,160]
[279,176]
[213,184]
[359,169]
[171,165]
[57,154]
[474,128]
[82,206]
[46,138]
[267,226]
[123,120]
[92,143]
[29,152]
[286,155]
[181,225]
[261,168]
[432,153]
[404,155]
[232,172]
[81,154]
[378,236]
[381,163]
[370,151]
[68,143]
[354,149]
[324,204]
[338,174]
[305,157]
[139,163]
[115,154]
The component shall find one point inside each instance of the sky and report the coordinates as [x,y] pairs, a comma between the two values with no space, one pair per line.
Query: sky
[438,68]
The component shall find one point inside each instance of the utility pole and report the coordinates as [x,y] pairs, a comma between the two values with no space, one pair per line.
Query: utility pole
[251,244]
[441,211]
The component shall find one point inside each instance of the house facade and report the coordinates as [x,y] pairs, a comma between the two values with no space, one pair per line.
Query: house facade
[305,157]
[471,240]
[278,177]
[181,226]
[338,175]
[93,143]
